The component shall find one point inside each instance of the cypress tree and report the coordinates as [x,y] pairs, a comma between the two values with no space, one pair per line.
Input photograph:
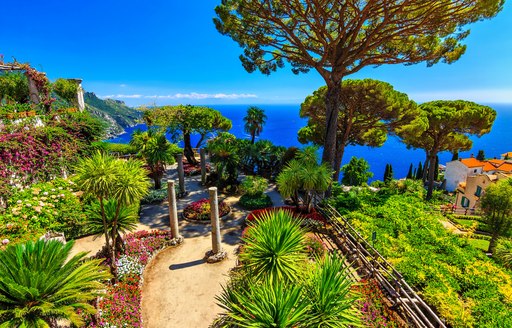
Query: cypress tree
[386,173]
[390,173]
[481,155]
[414,173]
[455,155]
[409,174]
[419,173]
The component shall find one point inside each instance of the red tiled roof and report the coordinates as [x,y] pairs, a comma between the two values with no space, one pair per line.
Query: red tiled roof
[472,162]
[506,167]
[496,162]
[488,167]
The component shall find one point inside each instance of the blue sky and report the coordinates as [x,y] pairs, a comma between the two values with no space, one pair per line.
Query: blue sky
[162,52]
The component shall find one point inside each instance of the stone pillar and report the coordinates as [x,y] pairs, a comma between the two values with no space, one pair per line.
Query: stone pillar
[214,216]
[173,210]
[79,95]
[33,91]
[202,153]
[181,174]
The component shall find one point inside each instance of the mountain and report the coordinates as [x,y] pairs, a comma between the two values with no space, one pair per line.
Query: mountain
[115,113]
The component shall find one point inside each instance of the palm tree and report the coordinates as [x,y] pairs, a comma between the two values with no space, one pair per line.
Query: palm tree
[329,294]
[40,285]
[104,178]
[254,121]
[127,220]
[274,247]
[304,173]
[156,151]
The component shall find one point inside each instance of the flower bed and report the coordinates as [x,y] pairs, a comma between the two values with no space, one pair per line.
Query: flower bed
[200,210]
[121,306]
[191,169]
[375,313]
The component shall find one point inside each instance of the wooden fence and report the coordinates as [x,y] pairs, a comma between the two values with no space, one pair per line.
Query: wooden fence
[371,264]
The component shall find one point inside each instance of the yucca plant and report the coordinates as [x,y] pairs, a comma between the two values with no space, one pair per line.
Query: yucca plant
[274,248]
[332,301]
[40,285]
[127,219]
[253,303]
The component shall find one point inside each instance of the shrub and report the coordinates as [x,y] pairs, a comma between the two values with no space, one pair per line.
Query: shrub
[254,185]
[155,196]
[374,311]
[315,247]
[200,210]
[45,206]
[255,202]
[312,216]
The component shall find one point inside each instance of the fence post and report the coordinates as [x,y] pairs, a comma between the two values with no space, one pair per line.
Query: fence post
[216,254]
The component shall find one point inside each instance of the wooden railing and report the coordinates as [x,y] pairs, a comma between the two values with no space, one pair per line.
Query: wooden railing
[370,263]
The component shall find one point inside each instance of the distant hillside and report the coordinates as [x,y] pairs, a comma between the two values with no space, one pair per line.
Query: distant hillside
[115,112]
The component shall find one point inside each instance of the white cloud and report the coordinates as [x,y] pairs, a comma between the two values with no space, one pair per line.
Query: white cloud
[476,95]
[192,95]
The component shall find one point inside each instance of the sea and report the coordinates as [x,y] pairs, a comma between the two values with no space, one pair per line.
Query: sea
[283,122]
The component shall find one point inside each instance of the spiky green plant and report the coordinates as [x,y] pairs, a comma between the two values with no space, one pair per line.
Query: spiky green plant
[274,247]
[330,296]
[40,285]
[262,304]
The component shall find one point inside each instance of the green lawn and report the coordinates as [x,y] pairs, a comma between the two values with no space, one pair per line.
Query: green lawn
[480,244]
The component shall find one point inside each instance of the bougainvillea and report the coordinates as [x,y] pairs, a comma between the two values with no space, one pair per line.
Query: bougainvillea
[200,210]
[374,311]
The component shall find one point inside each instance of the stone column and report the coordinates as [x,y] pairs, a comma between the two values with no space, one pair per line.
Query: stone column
[173,210]
[33,91]
[79,95]
[181,174]
[214,216]
[202,153]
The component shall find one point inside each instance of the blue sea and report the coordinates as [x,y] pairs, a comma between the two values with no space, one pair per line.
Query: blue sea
[283,122]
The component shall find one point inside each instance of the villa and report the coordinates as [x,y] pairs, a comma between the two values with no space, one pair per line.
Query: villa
[469,177]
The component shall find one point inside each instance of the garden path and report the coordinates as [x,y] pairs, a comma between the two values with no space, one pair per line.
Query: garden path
[179,288]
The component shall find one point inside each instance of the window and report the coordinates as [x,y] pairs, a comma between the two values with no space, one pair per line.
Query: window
[478,191]
[474,171]
[464,202]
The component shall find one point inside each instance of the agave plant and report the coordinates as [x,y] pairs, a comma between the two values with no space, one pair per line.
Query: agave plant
[274,247]
[39,285]
[330,295]
[262,304]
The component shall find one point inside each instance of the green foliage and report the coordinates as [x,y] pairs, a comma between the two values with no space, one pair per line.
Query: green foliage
[304,173]
[40,208]
[446,125]
[254,121]
[356,172]
[330,296]
[225,155]
[372,110]
[66,89]
[503,252]
[262,158]
[156,195]
[254,202]
[122,115]
[410,172]
[388,173]
[85,128]
[274,247]
[115,148]
[496,204]
[481,155]
[154,148]
[13,87]
[459,281]
[127,217]
[254,185]
[183,121]
[40,283]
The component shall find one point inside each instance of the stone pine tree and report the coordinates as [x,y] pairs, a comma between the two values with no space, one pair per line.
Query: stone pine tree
[496,204]
[340,37]
[372,110]
[448,127]
[410,173]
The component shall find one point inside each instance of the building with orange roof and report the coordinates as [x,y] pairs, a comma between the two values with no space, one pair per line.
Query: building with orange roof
[469,177]
[507,155]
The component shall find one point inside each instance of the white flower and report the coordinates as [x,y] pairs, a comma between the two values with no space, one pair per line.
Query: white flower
[29,205]
[5,241]
[45,193]
[18,202]
[60,188]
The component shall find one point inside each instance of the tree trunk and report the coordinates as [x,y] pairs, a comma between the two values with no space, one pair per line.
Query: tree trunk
[105,227]
[431,173]
[493,242]
[189,153]
[114,241]
[253,136]
[332,108]
[340,150]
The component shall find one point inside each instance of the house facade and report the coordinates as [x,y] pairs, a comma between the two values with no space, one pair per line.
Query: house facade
[458,171]
[468,193]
